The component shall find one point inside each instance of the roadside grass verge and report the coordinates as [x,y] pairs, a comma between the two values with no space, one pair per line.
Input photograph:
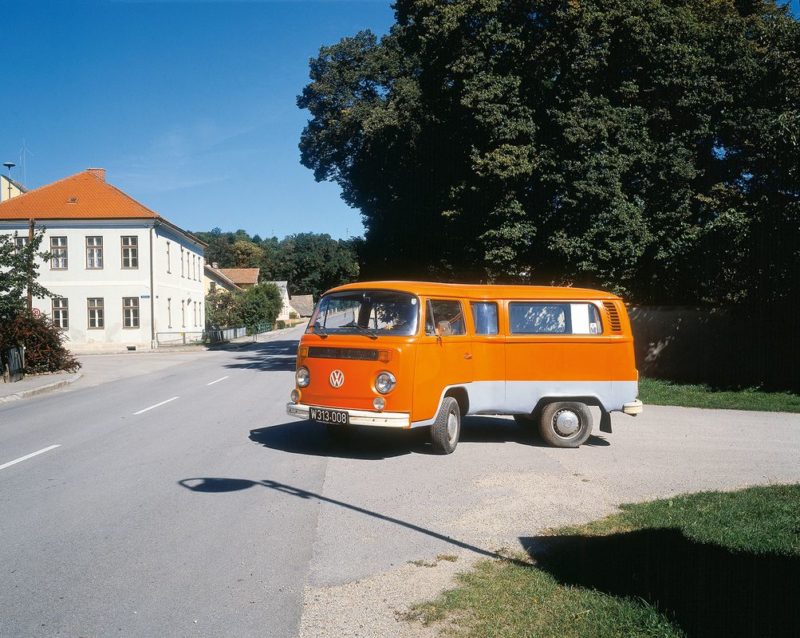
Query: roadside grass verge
[659,392]
[712,563]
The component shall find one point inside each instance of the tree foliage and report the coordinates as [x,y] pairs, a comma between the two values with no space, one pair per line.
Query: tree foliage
[310,262]
[252,307]
[18,270]
[647,146]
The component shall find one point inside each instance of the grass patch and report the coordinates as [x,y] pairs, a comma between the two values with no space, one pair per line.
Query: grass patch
[641,573]
[658,392]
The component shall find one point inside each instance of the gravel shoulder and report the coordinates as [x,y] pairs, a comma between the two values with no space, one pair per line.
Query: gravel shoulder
[389,507]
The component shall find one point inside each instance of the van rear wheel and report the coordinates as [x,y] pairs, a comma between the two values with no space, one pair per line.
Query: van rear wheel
[446,429]
[565,424]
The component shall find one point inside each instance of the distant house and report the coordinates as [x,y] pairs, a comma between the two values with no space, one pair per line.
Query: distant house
[214,279]
[242,277]
[122,274]
[9,188]
[286,307]
[303,305]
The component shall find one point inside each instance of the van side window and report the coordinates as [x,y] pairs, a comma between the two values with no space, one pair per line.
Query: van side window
[554,318]
[484,317]
[446,317]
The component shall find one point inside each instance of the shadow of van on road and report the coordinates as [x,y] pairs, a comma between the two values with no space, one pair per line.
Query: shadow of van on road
[706,589]
[267,357]
[372,443]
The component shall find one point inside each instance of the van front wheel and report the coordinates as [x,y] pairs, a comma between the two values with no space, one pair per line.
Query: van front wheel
[447,427]
[565,424]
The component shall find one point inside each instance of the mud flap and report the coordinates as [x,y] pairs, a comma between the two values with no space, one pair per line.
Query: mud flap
[605,422]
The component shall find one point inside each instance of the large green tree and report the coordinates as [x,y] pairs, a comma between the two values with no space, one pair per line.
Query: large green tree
[19,271]
[647,146]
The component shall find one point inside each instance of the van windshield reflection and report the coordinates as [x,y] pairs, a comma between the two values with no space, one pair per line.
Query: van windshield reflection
[368,312]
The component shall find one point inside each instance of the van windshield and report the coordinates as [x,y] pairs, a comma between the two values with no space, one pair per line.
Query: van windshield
[369,312]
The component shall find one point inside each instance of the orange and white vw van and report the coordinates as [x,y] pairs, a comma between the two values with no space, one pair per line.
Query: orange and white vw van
[413,354]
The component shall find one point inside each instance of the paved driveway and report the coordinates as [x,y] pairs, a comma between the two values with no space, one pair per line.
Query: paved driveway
[500,486]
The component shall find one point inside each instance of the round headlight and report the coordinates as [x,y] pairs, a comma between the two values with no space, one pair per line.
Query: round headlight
[302,377]
[385,382]
[379,403]
[295,395]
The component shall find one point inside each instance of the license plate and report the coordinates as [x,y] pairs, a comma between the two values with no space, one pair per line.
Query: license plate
[323,415]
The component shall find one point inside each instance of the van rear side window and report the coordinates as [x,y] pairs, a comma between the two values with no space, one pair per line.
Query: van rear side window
[554,318]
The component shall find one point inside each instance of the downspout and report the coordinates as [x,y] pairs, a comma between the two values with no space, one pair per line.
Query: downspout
[153,343]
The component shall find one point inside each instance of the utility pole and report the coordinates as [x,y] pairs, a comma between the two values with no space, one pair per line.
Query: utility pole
[30,266]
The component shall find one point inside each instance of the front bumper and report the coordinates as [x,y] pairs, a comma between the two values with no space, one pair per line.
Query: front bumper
[633,408]
[357,417]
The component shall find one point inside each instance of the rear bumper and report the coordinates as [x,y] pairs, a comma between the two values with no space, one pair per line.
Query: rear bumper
[358,417]
[633,408]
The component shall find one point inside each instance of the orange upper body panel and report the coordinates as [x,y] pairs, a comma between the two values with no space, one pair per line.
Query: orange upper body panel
[425,365]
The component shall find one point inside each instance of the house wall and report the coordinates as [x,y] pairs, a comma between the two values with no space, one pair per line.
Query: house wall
[112,283]
[8,189]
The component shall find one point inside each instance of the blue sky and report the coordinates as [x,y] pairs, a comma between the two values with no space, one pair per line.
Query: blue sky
[190,106]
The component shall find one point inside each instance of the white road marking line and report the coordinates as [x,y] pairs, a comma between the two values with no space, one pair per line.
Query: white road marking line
[154,406]
[28,456]
[218,380]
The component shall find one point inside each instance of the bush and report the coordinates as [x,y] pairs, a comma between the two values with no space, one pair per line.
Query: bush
[293,315]
[259,304]
[281,324]
[43,341]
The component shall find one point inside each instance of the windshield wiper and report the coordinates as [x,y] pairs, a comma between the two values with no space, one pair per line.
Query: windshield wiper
[319,330]
[365,331]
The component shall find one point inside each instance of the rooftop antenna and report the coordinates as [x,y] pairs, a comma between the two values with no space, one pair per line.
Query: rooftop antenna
[23,153]
[9,166]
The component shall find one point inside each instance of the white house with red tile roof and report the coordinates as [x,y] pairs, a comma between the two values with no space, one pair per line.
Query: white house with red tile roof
[124,275]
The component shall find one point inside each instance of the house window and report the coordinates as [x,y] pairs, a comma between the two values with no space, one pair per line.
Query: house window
[58,252]
[61,312]
[169,267]
[200,273]
[194,267]
[20,242]
[183,272]
[212,286]
[183,313]
[169,312]
[95,310]
[130,312]
[130,252]
[94,253]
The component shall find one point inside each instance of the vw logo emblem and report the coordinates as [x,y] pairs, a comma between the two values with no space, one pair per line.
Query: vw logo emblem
[336,378]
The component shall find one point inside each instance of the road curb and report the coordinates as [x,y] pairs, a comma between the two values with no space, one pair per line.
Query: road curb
[50,387]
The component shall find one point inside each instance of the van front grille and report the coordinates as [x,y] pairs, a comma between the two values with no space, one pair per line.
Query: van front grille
[613,316]
[359,354]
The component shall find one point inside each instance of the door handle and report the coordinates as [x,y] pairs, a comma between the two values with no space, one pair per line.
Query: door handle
[468,355]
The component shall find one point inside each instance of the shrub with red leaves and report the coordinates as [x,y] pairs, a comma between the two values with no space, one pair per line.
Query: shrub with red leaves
[43,341]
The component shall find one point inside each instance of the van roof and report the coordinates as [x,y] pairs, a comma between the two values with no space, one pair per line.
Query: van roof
[480,291]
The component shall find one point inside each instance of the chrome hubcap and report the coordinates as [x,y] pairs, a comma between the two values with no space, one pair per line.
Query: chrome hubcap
[566,423]
[452,426]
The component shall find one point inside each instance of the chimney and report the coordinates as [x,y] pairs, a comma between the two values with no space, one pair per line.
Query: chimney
[99,173]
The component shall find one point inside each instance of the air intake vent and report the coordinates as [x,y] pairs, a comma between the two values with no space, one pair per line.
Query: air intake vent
[343,353]
[613,316]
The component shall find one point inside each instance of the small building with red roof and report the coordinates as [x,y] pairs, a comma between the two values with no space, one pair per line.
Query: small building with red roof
[123,276]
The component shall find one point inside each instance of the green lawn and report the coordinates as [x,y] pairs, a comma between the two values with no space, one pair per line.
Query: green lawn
[642,572]
[657,392]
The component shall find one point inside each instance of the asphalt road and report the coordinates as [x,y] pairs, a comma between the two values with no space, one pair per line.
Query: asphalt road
[181,501]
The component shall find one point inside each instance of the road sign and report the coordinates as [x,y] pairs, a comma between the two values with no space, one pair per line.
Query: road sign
[36,313]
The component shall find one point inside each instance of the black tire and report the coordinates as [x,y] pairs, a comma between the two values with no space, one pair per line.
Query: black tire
[565,423]
[446,429]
